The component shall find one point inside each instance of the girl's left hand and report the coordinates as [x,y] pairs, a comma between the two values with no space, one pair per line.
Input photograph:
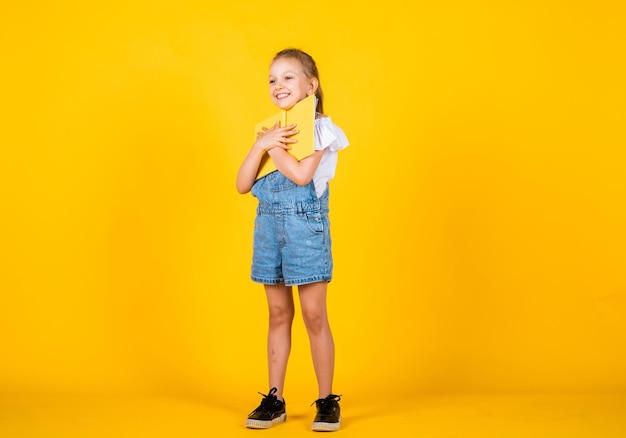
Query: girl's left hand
[276,137]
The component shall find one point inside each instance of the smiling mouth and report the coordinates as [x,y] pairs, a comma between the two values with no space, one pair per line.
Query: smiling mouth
[282,95]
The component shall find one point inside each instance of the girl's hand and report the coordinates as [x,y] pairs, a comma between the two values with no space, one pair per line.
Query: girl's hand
[276,137]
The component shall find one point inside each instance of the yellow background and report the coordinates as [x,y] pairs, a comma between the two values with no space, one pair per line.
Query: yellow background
[478,216]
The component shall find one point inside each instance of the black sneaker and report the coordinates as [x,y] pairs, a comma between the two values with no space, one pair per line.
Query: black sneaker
[271,411]
[328,418]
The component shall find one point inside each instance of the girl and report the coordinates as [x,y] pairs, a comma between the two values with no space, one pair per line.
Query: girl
[292,244]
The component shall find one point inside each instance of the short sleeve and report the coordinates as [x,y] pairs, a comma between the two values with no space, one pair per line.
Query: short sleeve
[328,135]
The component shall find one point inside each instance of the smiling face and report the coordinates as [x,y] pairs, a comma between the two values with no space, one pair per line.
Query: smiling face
[288,82]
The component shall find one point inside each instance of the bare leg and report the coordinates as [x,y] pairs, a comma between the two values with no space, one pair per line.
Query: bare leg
[281,313]
[314,313]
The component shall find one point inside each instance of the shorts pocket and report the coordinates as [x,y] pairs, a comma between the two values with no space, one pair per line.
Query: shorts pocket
[315,221]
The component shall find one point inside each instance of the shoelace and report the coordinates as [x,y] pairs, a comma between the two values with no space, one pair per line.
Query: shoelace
[268,400]
[323,404]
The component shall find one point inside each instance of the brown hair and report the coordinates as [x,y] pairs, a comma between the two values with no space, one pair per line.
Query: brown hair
[310,69]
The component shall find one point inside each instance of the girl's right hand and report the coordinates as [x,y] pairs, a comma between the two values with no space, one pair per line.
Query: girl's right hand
[276,137]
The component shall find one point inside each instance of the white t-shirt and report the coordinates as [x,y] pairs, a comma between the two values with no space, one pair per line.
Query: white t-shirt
[330,137]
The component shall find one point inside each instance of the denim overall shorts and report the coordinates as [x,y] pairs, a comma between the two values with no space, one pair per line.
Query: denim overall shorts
[291,233]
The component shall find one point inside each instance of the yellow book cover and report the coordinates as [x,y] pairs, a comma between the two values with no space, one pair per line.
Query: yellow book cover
[303,115]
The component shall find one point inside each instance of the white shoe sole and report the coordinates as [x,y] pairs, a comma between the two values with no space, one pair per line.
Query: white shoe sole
[260,424]
[320,426]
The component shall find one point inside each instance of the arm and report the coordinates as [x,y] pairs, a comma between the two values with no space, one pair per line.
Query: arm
[270,139]
[300,172]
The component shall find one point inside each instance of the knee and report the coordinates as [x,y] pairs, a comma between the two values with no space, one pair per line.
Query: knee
[315,321]
[281,315]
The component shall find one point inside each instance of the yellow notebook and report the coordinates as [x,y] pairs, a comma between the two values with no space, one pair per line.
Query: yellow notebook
[302,114]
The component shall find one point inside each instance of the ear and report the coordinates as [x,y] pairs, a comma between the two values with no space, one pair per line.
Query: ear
[313,85]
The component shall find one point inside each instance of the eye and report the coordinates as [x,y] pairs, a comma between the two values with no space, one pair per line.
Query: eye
[272,81]
[287,78]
